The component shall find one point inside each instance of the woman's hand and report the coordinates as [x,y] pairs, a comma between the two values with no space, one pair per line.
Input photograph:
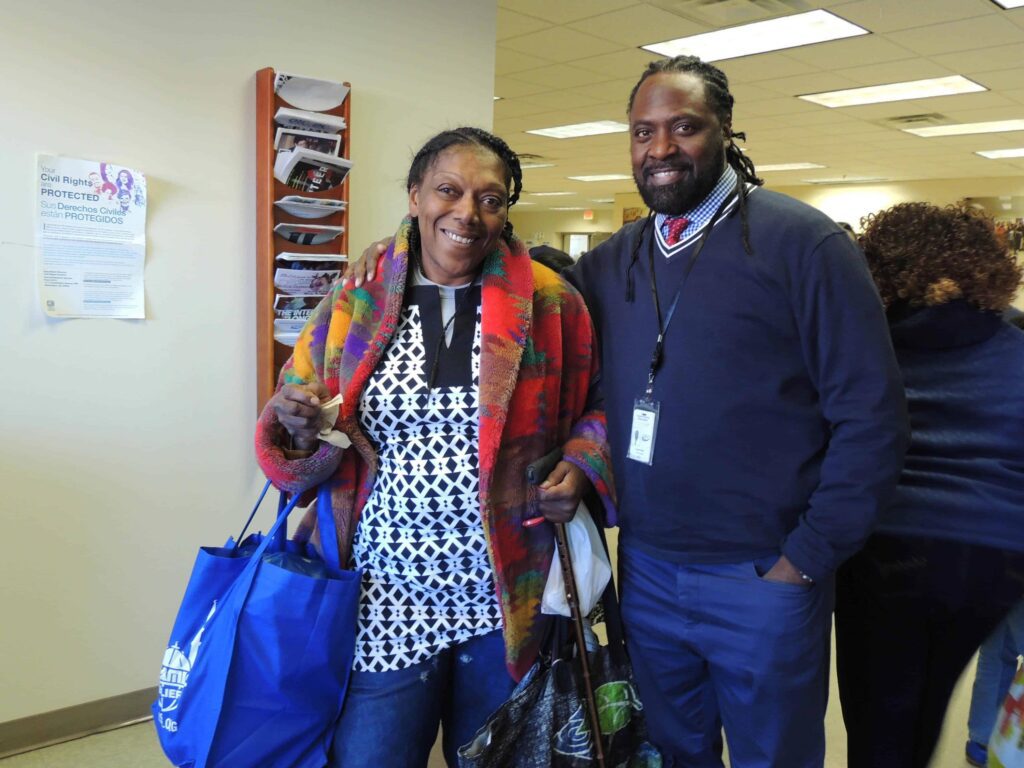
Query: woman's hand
[365,268]
[560,493]
[297,407]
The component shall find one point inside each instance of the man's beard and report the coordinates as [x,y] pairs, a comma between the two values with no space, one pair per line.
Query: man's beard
[683,195]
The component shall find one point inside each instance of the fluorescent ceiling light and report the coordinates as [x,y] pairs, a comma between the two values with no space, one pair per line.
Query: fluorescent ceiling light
[603,177]
[549,194]
[537,165]
[962,129]
[524,202]
[581,208]
[761,36]
[1010,3]
[913,89]
[582,129]
[847,180]
[497,98]
[790,167]
[1000,154]
[602,199]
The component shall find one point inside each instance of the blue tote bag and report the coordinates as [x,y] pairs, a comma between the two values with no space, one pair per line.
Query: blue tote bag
[260,654]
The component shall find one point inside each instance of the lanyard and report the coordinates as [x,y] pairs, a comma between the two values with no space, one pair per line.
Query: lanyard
[659,346]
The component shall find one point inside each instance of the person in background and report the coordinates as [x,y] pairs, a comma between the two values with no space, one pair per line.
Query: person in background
[552,258]
[946,563]
[757,426]
[997,666]
[462,363]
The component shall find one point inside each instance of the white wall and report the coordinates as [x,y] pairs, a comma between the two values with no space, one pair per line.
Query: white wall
[126,444]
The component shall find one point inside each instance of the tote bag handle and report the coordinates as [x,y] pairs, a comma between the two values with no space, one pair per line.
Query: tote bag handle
[325,521]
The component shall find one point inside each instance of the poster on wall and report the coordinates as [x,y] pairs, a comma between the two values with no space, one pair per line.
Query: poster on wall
[91,238]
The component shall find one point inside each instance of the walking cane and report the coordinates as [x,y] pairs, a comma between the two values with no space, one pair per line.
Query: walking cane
[535,474]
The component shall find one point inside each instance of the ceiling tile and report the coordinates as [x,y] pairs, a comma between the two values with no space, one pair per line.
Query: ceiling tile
[766,66]
[1001,80]
[508,61]
[571,99]
[895,72]
[850,52]
[512,24]
[888,16]
[560,44]
[817,82]
[969,34]
[506,109]
[509,88]
[626,63]
[564,11]
[557,77]
[983,59]
[639,25]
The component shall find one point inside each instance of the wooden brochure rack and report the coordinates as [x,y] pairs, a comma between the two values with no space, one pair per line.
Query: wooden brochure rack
[271,354]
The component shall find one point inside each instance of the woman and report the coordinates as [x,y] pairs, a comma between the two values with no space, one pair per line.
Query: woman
[947,561]
[459,365]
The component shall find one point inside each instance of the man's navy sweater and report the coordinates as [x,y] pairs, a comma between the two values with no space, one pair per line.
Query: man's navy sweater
[964,475]
[783,422]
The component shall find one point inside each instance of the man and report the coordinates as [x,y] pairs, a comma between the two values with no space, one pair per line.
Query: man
[757,424]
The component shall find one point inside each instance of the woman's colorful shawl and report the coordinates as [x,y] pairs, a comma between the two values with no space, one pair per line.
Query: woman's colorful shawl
[536,365]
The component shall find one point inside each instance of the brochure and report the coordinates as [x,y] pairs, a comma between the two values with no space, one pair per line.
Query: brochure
[304,282]
[288,139]
[309,171]
[308,234]
[298,307]
[309,92]
[309,207]
[305,120]
[299,260]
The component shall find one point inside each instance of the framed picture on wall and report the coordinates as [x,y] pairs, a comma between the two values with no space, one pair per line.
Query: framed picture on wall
[631,214]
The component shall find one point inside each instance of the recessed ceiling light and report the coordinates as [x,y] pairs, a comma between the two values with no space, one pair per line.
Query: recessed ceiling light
[962,129]
[914,89]
[1010,3]
[549,194]
[1000,154]
[847,180]
[761,36]
[537,165]
[582,129]
[603,177]
[790,167]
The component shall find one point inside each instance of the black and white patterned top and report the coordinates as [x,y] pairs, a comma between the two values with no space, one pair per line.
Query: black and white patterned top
[428,583]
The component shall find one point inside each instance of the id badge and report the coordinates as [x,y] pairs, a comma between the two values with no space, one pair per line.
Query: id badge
[644,430]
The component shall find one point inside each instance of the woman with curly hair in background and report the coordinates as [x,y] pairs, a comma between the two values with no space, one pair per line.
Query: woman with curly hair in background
[946,562]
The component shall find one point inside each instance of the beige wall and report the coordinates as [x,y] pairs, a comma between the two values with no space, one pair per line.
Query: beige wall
[547,227]
[128,444]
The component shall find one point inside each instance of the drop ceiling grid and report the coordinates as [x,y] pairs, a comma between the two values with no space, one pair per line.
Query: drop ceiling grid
[576,60]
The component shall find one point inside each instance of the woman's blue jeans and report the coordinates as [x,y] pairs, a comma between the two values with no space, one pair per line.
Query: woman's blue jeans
[391,718]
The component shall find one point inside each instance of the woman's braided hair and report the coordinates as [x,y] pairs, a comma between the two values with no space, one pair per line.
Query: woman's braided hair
[465,136]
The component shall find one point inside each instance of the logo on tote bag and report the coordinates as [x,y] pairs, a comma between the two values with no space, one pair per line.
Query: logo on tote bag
[174,674]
